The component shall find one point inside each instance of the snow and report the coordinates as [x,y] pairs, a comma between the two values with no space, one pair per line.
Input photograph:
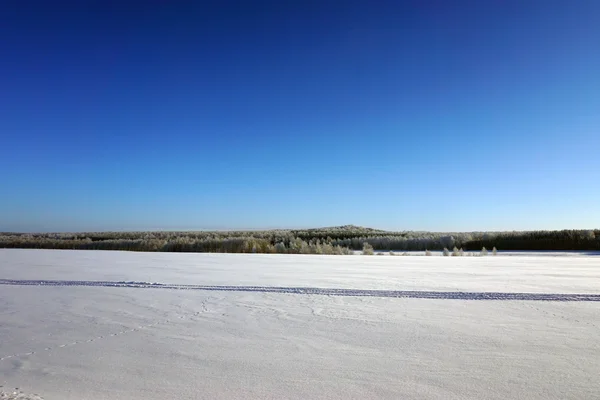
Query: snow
[501,253]
[17,395]
[539,274]
[107,342]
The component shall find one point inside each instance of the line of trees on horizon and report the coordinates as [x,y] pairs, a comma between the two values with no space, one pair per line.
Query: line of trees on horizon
[334,240]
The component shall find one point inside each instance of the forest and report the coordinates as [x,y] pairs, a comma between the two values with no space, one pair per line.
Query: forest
[333,240]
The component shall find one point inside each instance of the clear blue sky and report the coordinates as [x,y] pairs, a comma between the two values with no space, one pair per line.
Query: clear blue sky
[421,115]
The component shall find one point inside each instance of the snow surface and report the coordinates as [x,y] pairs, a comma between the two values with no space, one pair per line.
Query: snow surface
[501,253]
[97,342]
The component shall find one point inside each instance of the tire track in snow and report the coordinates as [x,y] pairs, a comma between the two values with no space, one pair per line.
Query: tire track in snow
[319,291]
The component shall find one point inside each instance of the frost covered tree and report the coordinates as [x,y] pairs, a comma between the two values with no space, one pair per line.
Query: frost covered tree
[316,248]
[296,245]
[327,249]
[427,253]
[336,250]
[447,241]
[305,248]
[455,252]
[367,249]
[280,248]
[446,252]
[347,251]
[306,241]
[494,251]
[484,252]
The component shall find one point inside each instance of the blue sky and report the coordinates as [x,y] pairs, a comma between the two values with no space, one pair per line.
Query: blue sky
[422,115]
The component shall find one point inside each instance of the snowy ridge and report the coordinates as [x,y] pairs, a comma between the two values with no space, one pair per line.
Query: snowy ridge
[317,291]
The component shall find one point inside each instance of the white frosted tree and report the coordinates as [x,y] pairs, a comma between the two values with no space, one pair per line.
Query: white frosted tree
[484,252]
[296,245]
[317,248]
[305,248]
[327,249]
[447,241]
[494,251]
[367,249]
[280,248]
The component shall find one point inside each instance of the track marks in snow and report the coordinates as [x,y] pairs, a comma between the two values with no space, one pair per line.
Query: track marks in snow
[78,342]
[138,328]
[555,314]
[319,291]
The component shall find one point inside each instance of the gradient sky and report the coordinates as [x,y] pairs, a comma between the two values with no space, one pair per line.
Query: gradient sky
[421,115]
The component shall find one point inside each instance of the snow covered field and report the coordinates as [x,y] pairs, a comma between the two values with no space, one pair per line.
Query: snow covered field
[285,326]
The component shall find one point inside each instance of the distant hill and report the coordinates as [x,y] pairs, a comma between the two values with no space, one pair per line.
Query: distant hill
[342,228]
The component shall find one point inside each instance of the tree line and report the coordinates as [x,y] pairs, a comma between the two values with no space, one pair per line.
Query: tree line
[334,240]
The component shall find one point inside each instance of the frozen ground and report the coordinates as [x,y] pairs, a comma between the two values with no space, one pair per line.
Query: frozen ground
[100,331]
